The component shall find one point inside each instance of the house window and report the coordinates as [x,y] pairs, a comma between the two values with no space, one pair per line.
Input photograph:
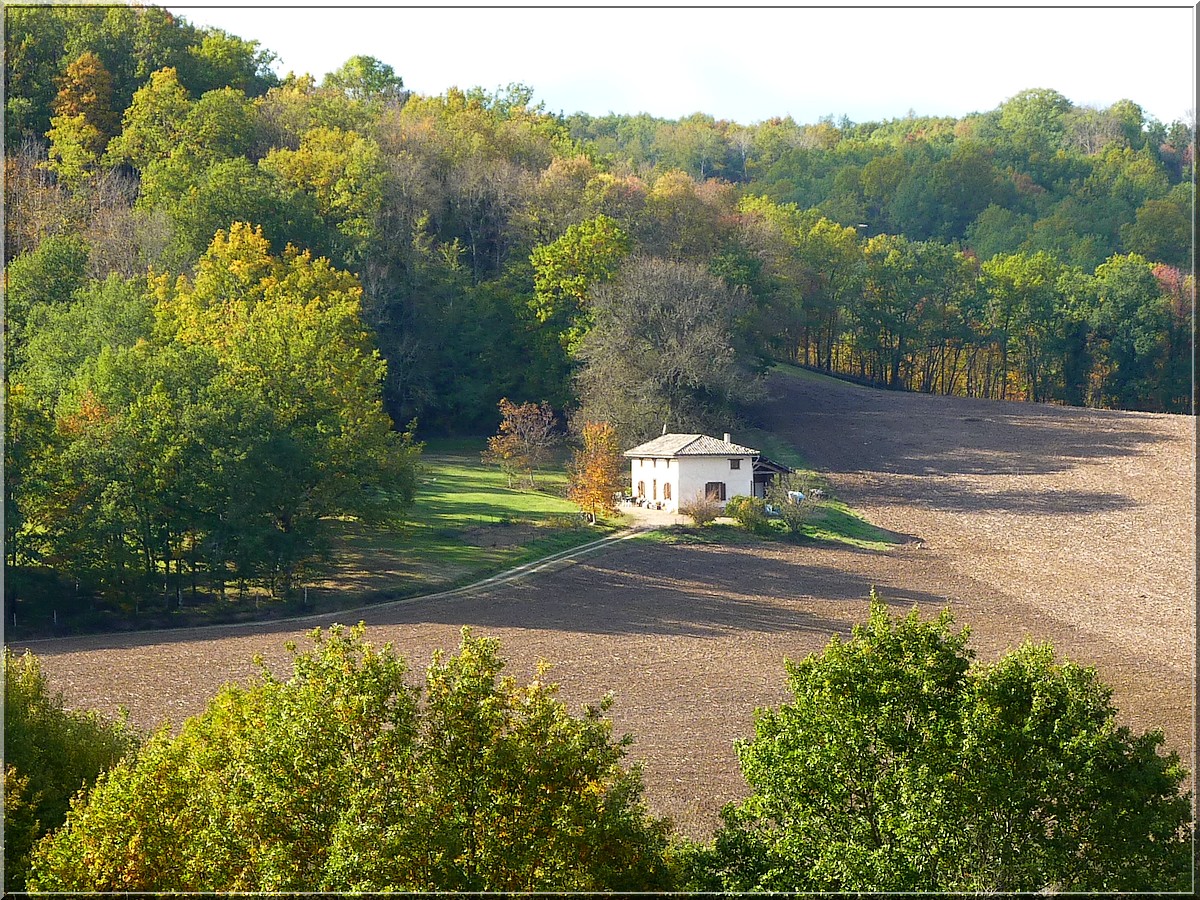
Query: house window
[666,490]
[641,489]
[735,464]
[714,490]
[654,488]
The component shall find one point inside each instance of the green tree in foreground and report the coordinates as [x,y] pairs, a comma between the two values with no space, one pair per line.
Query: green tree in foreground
[50,755]
[344,777]
[901,767]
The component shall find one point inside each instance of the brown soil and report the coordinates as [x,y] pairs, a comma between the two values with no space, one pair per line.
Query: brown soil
[1030,522]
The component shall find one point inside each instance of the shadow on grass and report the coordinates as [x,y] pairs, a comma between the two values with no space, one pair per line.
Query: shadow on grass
[835,523]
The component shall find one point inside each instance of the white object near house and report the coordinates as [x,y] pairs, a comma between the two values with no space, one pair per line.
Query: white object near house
[675,468]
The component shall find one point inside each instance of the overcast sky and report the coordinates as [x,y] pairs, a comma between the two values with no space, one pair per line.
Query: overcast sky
[748,65]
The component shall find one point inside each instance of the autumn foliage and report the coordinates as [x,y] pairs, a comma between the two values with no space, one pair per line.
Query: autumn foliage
[526,438]
[596,469]
[343,777]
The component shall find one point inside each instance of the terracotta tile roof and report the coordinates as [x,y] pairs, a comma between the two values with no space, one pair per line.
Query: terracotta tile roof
[689,445]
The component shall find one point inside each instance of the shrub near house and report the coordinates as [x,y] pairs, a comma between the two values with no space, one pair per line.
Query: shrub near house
[749,512]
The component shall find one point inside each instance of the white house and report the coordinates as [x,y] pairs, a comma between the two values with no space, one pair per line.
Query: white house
[675,468]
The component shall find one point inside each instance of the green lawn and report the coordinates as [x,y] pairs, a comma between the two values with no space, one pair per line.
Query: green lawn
[830,520]
[802,374]
[466,523]
[834,522]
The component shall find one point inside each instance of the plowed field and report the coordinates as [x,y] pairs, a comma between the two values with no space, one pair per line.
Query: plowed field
[1069,525]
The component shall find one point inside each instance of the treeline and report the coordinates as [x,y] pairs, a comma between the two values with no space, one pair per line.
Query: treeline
[897,764]
[1037,173]
[169,436]
[925,316]
[445,207]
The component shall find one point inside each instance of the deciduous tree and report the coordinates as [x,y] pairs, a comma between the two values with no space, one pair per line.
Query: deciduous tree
[343,777]
[664,349]
[152,123]
[899,766]
[566,270]
[51,756]
[343,172]
[1022,289]
[365,78]
[526,438]
[216,421]
[86,89]
[1131,323]
[595,473]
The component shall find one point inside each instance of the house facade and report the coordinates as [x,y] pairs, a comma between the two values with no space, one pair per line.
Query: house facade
[675,468]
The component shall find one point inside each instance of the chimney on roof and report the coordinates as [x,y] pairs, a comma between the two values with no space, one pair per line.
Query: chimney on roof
[664,427]
[727,437]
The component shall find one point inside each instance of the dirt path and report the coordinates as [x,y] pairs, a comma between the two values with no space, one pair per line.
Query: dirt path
[1067,525]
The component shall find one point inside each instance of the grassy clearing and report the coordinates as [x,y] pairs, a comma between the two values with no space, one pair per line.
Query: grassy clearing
[466,524]
[833,522]
[715,533]
[802,374]
[829,519]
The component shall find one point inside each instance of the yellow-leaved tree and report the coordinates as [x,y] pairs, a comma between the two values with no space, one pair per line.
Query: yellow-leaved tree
[205,430]
[596,469]
[340,776]
[288,343]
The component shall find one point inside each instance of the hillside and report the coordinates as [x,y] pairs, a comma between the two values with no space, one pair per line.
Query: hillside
[1068,525]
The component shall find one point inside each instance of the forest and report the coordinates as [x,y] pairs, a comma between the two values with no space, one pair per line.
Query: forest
[235,301]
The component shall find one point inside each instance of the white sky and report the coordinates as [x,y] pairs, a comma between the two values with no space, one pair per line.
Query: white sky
[751,64]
